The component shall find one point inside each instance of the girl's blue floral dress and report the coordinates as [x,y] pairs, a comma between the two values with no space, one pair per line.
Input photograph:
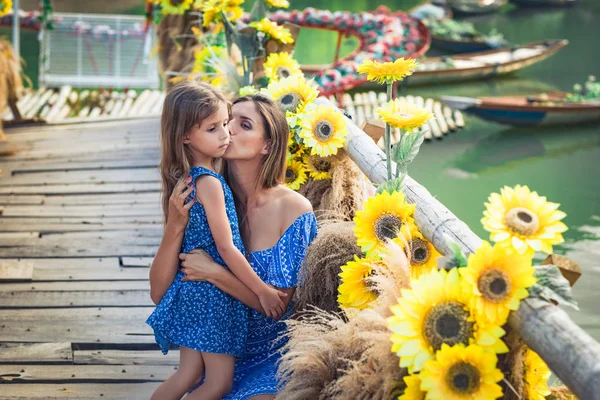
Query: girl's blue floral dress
[198,315]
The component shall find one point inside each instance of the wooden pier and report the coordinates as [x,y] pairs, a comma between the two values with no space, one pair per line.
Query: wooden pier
[80,222]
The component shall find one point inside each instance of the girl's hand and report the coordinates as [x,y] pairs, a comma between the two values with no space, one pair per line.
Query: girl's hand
[179,210]
[199,266]
[270,300]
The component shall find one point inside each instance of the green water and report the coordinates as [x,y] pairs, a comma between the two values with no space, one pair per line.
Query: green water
[465,167]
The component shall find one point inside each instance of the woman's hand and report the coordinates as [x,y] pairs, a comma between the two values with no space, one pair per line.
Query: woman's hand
[179,209]
[199,266]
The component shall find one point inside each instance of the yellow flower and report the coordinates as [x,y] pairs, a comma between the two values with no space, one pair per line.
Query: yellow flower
[296,150]
[247,90]
[319,168]
[323,130]
[387,72]
[212,10]
[462,373]
[281,65]
[278,3]
[422,255]
[175,6]
[401,114]
[413,388]
[271,28]
[295,175]
[524,220]
[536,376]
[5,7]
[355,291]
[381,219]
[498,278]
[436,311]
[292,93]
[206,58]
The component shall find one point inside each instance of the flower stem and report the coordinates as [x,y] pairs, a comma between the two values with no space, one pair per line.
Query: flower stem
[387,137]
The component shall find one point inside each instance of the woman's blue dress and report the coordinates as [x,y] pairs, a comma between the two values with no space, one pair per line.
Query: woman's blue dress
[198,315]
[255,370]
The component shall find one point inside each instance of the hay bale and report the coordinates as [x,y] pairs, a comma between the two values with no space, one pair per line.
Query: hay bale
[11,85]
[561,393]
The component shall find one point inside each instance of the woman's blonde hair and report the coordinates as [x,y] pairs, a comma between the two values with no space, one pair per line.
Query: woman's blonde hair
[187,103]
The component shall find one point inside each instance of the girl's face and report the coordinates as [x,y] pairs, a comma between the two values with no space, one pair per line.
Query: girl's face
[247,133]
[210,138]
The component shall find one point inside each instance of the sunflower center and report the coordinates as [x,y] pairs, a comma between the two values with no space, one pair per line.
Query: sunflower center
[290,175]
[522,221]
[294,148]
[370,285]
[323,130]
[387,227]
[448,323]
[463,378]
[419,252]
[283,72]
[289,102]
[321,164]
[494,285]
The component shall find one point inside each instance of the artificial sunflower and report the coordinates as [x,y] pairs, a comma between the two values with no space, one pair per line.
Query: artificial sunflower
[212,10]
[413,388]
[323,130]
[206,58]
[355,290]
[498,278]
[381,219]
[278,3]
[462,373]
[420,252]
[387,72]
[292,93]
[318,167]
[523,219]
[295,175]
[275,31]
[536,376]
[5,7]
[401,114]
[296,150]
[175,6]
[281,65]
[434,312]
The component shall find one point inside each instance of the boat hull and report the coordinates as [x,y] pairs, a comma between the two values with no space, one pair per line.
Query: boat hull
[545,3]
[458,46]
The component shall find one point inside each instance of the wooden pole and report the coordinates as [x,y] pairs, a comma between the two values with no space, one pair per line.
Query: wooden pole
[16,30]
[570,352]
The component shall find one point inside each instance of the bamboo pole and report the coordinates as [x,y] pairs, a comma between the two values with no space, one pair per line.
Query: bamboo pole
[571,353]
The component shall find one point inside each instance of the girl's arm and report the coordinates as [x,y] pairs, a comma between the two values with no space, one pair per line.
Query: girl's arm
[209,192]
[165,263]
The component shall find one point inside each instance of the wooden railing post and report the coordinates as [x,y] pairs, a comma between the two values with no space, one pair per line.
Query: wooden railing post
[571,353]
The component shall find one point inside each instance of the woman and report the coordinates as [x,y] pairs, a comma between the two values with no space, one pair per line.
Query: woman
[277,225]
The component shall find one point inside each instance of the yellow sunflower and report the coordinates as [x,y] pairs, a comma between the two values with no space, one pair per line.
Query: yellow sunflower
[498,278]
[323,130]
[462,373]
[401,114]
[281,65]
[175,6]
[206,58]
[292,93]
[296,150]
[278,3]
[212,10]
[523,219]
[381,219]
[295,175]
[536,376]
[5,7]
[413,388]
[387,72]
[355,291]
[422,254]
[436,311]
[275,31]
[318,167]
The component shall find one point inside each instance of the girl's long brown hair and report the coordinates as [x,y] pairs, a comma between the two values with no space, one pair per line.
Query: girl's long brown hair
[188,103]
[272,170]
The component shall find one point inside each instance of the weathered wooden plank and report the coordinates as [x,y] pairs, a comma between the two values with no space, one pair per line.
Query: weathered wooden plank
[60,165]
[19,235]
[75,286]
[13,270]
[136,261]
[79,391]
[57,227]
[126,357]
[84,373]
[99,240]
[21,200]
[93,176]
[54,250]
[76,314]
[105,199]
[82,211]
[83,188]
[58,353]
[148,220]
[138,298]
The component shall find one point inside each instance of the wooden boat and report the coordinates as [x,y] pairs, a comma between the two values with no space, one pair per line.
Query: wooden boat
[549,3]
[475,6]
[546,110]
[464,46]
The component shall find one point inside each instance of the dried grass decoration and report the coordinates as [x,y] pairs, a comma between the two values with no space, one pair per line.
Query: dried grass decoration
[11,84]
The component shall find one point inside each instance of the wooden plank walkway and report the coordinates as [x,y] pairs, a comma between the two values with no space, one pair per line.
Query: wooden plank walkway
[80,222]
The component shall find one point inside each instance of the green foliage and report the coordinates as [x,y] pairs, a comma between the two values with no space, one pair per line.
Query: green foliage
[552,286]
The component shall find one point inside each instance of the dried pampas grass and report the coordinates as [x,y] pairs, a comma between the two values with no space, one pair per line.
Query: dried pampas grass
[11,84]
[561,393]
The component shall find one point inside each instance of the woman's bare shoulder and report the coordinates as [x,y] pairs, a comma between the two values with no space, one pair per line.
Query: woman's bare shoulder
[291,205]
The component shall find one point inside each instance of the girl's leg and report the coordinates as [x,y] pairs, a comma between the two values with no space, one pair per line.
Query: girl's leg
[218,380]
[189,373]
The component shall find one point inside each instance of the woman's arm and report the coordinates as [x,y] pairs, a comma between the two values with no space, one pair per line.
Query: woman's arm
[165,263]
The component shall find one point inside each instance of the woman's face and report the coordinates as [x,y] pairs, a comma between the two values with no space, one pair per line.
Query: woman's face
[247,130]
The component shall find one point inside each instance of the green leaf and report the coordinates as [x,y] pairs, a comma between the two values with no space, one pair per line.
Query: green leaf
[393,185]
[406,151]
[551,285]
[455,258]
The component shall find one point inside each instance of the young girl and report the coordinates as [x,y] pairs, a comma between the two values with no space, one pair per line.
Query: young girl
[209,326]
